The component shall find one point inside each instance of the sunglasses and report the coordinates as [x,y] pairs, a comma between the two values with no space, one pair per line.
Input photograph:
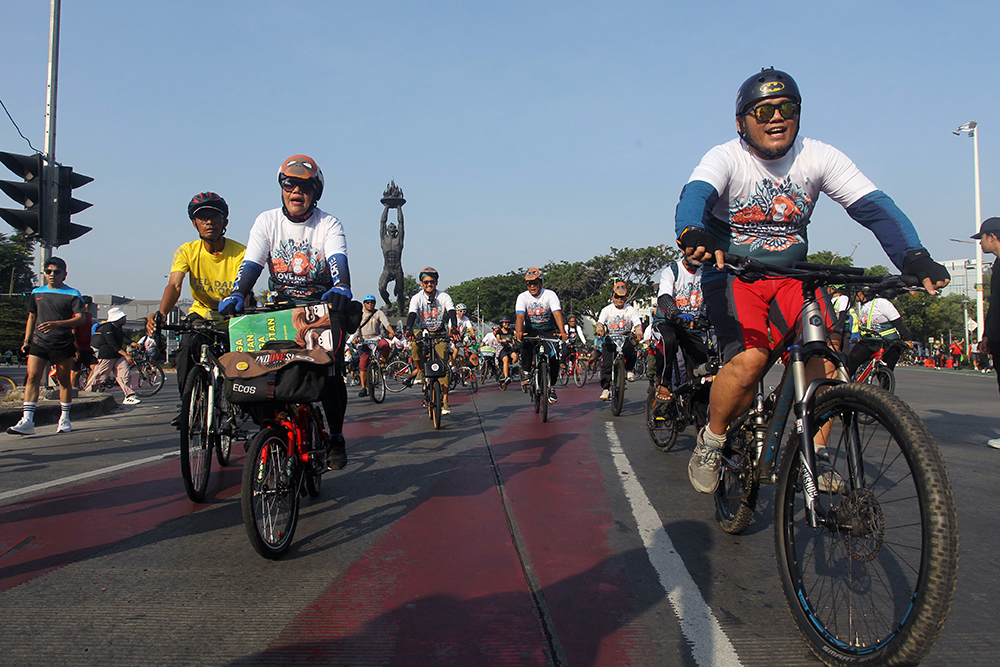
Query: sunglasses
[52,272]
[534,282]
[428,282]
[765,112]
[289,185]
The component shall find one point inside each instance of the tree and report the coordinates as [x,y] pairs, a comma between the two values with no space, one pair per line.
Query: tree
[829,257]
[16,258]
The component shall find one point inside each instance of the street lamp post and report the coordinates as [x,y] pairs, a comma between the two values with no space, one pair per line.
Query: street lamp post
[972,128]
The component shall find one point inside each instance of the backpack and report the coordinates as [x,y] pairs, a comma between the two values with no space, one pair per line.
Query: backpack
[289,375]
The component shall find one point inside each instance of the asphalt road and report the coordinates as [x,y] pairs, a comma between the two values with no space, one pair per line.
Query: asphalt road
[497,540]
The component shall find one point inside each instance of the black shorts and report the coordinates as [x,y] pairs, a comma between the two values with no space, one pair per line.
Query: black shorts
[52,356]
[86,359]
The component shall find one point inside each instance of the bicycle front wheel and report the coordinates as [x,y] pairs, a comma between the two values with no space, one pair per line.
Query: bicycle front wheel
[736,495]
[270,495]
[376,382]
[579,373]
[662,421]
[872,584]
[473,381]
[437,399]
[196,441]
[543,389]
[396,375]
[617,386]
[149,379]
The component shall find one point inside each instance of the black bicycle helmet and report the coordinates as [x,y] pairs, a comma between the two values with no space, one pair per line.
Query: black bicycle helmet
[768,84]
[208,200]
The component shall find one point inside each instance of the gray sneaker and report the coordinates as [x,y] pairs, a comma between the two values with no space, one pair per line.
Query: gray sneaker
[828,480]
[704,466]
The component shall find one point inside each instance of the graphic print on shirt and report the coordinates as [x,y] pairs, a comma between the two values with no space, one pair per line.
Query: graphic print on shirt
[688,296]
[297,264]
[773,218]
[539,314]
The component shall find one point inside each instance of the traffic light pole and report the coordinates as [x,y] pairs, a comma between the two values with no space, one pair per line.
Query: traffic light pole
[45,253]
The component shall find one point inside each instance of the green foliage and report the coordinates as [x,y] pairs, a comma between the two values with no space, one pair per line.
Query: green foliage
[929,316]
[829,257]
[16,259]
[13,315]
[878,270]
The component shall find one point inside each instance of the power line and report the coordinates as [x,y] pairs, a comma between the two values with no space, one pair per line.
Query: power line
[17,128]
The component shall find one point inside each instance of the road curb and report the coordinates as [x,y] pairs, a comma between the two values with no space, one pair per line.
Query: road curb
[48,411]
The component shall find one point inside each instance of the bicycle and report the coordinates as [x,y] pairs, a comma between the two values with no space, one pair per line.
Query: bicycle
[7,386]
[209,421]
[435,374]
[867,547]
[536,385]
[618,375]
[688,403]
[376,379]
[464,373]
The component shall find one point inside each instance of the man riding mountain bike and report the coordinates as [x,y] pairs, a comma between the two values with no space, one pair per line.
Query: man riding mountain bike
[370,335]
[617,319]
[305,251]
[876,317]
[538,313]
[679,302]
[434,310]
[754,196]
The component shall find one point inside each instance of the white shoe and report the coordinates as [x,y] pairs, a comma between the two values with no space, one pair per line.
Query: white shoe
[131,400]
[445,409]
[605,394]
[64,425]
[704,466]
[994,443]
[23,427]
[630,376]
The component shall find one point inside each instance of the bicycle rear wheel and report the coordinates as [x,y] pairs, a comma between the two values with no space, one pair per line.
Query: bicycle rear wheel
[7,386]
[617,386]
[227,428]
[662,422]
[150,379]
[270,495]
[376,381]
[196,441]
[736,495]
[640,368]
[873,583]
[396,374]
[312,470]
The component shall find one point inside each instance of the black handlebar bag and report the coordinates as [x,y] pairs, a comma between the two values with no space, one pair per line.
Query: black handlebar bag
[290,375]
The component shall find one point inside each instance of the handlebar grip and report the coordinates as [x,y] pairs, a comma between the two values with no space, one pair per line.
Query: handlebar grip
[911,281]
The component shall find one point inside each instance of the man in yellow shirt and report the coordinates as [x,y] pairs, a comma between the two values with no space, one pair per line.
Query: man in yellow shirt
[211,264]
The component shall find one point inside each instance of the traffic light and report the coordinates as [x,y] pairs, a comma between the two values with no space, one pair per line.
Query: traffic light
[63,231]
[30,193]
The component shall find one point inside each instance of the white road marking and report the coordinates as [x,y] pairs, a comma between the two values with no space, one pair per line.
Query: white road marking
[84,475]
[709,644]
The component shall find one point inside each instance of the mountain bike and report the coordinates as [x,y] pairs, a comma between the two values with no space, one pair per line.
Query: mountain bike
[376,379]
[536,384]
[208,420]
[618,375]
[688,403]
[463,373]
[867,545]
[574,366]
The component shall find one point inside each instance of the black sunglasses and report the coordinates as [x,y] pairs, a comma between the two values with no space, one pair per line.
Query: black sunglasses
[765,112]
[289,185]
[52,272]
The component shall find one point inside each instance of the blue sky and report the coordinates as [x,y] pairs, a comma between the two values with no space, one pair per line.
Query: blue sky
[520,132]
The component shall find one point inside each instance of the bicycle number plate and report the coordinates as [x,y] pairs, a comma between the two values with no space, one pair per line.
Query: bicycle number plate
[307,326]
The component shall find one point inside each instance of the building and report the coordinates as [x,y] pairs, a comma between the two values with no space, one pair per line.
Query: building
[963,277]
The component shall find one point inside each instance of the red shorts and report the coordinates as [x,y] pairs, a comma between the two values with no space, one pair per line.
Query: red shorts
[744,314]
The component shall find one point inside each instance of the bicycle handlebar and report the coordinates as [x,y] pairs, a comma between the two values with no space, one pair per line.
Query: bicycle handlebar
[749,269]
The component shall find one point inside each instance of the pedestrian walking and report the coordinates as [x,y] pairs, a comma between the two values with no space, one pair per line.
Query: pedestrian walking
[990,342]
[113,356]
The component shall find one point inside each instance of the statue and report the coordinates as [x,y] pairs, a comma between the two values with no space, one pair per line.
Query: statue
[392,246]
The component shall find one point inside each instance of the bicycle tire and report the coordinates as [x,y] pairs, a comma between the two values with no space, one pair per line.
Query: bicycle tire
[7,386]
[736,495]
[376,382]
[473,381]
[543,388]
[314,477]
[906,561]
[618,386]
[227,422]
[579,373]
[564,373]
[436,401]
[269,496]
[195,441]
[82,377]
[150,379]
[396,373]
[639,370]
[661,422]
[533,388]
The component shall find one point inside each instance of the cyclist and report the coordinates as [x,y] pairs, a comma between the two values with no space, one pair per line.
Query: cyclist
[305,251]
[368,335]
[210,265]
[575,332]
[843,315]
[435,310]
[617,319]
[754,195]
[883,324]
[679,303]
[506,350]
[54,311]
[466,336]
[538,313]
[114,356]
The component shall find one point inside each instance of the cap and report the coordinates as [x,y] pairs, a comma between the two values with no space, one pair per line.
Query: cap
[115,314]
[989,226]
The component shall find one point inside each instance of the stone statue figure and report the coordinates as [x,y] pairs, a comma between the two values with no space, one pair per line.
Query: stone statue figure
[391,235]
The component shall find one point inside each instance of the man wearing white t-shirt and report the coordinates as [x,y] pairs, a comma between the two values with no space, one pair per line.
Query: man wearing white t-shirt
[305,251]
[679,302]
[431,311]
[617,320]
[754,196]
[538,312]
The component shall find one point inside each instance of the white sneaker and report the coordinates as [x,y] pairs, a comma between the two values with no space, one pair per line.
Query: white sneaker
[131,400]
[64,425]
[445,409]
[994,443]
[704,466]
[605,394]
[630,376]
[23,427]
